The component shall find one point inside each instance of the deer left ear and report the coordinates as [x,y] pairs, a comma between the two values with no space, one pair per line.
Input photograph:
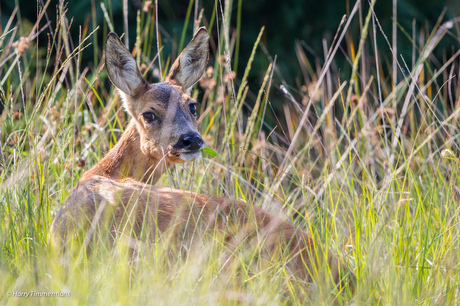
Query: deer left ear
[122,67]
[191,63]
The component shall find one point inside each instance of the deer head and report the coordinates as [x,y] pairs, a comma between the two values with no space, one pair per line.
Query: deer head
[165,115]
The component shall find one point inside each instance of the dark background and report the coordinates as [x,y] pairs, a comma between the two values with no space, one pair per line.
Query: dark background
[288,21]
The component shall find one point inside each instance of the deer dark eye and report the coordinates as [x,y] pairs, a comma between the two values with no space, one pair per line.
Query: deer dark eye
[193,109]
[148,117]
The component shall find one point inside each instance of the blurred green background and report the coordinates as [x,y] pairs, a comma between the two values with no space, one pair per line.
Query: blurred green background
[306,22]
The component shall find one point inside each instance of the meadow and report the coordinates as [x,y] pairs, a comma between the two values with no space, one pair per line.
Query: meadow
[362,155]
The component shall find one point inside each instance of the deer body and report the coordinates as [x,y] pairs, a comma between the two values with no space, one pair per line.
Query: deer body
[117,197]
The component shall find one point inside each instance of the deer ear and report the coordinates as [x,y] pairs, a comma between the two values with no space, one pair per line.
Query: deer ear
[191,63]
[121,66]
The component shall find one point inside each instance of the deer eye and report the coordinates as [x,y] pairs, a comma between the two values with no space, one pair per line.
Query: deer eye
[192,107]
[148,117]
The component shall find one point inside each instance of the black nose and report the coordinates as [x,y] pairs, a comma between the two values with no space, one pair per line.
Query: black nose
[190,143]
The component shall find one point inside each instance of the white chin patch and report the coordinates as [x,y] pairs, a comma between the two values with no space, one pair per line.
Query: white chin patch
[190,156]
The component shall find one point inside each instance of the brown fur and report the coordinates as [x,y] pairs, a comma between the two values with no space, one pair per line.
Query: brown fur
[126,159]
[112,199]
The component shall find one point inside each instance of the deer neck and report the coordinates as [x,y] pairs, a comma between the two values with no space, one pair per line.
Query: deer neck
[126,159]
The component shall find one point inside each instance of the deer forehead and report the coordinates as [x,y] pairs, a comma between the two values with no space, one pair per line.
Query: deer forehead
[164,96]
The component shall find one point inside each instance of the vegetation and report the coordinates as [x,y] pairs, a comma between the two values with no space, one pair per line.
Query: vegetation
[365,161]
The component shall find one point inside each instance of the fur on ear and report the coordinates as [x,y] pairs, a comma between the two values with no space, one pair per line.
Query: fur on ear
[191,63]
[122,67]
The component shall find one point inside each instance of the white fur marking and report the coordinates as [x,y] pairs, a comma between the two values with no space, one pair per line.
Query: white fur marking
[190,156]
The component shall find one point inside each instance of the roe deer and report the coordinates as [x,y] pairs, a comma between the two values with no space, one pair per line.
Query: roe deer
[117,196]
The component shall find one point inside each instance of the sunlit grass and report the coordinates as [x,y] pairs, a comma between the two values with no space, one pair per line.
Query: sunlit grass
[370,172]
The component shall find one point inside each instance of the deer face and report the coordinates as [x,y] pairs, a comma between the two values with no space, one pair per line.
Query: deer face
[164,113]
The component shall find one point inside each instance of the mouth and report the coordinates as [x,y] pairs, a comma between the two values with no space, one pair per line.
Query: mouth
[189,156]
[186,156]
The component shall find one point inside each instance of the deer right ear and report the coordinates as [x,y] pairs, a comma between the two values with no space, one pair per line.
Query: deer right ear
[191,63]
[122,67]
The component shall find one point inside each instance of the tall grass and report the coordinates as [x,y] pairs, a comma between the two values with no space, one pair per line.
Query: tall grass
[367,165]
